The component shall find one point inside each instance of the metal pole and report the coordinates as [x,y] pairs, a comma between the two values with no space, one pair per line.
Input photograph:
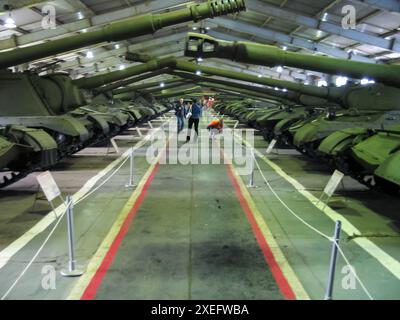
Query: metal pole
[251,181]
[72,270]
[131,182]
[332,266]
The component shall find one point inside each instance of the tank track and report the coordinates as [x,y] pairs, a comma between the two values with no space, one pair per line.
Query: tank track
[14,176]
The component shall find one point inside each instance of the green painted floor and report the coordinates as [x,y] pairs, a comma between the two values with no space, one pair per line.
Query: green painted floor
[189,240]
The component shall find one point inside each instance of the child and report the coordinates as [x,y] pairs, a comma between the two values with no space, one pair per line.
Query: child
[215,126]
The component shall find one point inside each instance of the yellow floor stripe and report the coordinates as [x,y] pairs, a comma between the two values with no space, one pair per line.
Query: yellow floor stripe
[280,258]
[7,253]
[386,260]
[98,257]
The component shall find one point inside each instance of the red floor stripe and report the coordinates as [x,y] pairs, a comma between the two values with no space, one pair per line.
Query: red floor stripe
[91,290]
[280,279]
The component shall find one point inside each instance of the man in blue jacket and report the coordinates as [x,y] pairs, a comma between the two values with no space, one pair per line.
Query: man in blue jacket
[179,113]
[195,110]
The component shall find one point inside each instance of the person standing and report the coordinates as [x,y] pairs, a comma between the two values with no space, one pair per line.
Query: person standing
[180,114]
[194,119]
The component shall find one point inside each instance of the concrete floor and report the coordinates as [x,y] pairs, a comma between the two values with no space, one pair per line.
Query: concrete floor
[190,238]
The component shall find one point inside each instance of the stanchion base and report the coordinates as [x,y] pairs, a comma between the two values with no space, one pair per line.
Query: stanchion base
[130,185]
[72,273]
[252,187]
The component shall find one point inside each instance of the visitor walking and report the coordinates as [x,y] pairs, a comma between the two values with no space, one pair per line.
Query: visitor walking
[194,119]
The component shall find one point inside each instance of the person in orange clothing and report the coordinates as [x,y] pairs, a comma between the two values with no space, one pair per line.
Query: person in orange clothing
[216,126]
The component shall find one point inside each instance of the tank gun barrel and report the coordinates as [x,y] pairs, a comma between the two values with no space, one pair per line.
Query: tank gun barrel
[238,91]
[107,78]
[201,45]
[121,30]
[126,82]
[333,93]
[145,86]
[259,91]
[128,95]
[176,93]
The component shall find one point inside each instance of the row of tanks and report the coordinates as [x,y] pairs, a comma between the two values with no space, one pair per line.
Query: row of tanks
[44,119]
[355,128]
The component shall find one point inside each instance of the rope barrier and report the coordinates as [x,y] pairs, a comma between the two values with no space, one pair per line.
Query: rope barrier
[329,238]
[123,162]
[36,254]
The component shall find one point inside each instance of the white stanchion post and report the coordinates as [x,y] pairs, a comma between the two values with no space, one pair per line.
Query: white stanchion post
[150,124]
[251,180]
[139,132]
[131,182]
[332,265]
[72,270]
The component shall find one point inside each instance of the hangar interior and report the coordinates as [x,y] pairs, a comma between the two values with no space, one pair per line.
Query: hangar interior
[309,95]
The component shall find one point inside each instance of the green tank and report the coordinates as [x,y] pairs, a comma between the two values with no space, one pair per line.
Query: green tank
[363,139]
[38,112]
[21,146]
[135,108]
[39,108]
